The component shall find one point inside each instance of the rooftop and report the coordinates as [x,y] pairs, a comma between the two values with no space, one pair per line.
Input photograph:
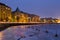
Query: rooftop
[4,5]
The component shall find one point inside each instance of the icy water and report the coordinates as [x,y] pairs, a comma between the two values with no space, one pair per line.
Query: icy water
[32,32]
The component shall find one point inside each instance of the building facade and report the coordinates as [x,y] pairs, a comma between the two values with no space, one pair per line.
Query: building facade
[19,16]
[5,13]
[34,18]
[48,20]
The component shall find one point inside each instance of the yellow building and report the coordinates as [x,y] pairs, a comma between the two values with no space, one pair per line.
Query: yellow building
[5,13]
[58,21]
[33,18]
[49,20]
[19,16]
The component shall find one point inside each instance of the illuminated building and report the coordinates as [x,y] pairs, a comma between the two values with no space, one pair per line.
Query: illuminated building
[58,21]
[5,13]
[34,18]
[19,16]
[48,20]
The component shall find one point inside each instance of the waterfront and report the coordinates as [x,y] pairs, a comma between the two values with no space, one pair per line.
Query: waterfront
[32,32]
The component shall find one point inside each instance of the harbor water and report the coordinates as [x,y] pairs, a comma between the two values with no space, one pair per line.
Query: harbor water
[32,32]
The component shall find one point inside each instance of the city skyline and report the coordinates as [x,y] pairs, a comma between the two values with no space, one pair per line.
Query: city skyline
[6,15]
[47,8]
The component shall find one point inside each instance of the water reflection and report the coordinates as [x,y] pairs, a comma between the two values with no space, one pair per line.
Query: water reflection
[30,32]
[13,33]
[1,35]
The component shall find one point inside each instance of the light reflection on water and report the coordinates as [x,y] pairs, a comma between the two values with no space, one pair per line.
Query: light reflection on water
[24,31]
[1,35]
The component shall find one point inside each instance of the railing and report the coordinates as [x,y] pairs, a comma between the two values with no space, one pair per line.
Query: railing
[19,22]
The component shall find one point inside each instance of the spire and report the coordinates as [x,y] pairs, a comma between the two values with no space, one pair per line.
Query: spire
[17,9]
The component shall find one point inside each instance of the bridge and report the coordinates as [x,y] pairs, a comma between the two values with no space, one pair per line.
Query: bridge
[5,25]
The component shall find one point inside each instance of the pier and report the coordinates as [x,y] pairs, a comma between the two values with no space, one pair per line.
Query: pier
[5,25]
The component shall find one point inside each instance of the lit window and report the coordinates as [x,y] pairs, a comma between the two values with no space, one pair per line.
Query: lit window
[3,11]
[7,8]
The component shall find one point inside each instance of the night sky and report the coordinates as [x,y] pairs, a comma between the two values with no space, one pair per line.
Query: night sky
[43,8]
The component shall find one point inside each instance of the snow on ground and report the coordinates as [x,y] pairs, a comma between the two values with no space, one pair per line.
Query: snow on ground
[32,32]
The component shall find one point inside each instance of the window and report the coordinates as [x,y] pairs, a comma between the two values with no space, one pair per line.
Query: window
[3,11]
[7,8]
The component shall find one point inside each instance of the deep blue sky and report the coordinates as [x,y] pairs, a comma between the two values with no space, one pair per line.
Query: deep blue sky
[43,8]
